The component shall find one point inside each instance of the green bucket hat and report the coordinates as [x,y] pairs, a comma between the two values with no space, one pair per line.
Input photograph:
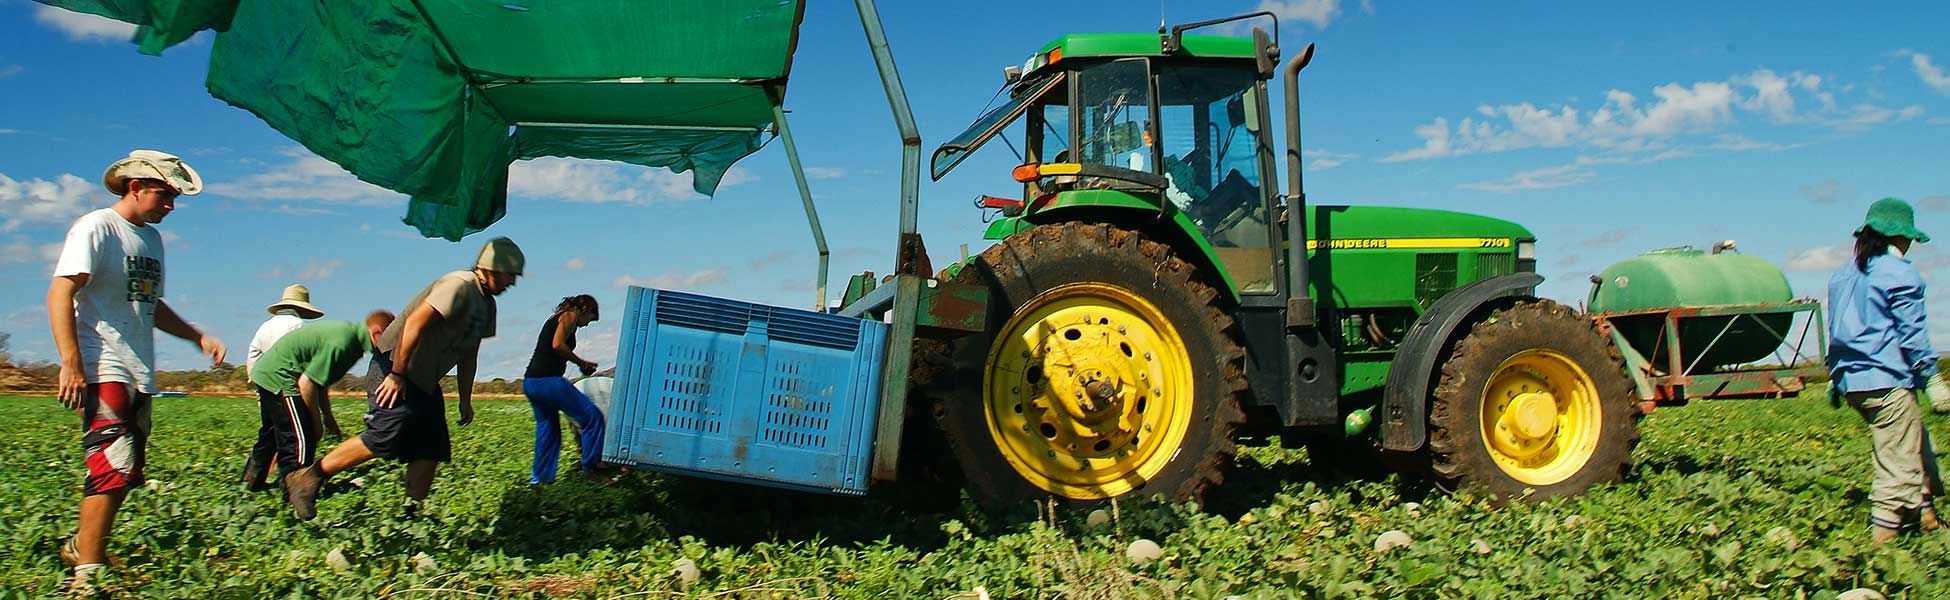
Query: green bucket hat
[1894,217]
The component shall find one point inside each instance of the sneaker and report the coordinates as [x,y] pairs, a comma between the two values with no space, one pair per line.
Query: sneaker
[82,584]
[71,555]
[301,490]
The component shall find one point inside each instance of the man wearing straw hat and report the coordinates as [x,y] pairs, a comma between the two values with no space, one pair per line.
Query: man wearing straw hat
[287,314]
[104,305]
[440,329]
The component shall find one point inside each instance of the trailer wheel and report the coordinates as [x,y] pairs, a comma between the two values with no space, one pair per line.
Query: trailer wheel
[1534,398]
[1109,369]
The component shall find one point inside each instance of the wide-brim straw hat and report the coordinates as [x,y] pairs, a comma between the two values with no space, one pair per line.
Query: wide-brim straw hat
[150,164]
[297,297]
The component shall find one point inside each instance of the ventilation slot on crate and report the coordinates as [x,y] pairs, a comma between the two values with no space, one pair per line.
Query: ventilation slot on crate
[796,414]
[686,394]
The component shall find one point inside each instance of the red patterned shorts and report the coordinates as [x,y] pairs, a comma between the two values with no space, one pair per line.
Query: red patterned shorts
[114,436]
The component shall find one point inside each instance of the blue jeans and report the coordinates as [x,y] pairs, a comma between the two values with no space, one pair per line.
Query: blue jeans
[549,397]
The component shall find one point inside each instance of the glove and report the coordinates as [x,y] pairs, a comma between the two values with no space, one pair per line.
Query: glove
[1939,393]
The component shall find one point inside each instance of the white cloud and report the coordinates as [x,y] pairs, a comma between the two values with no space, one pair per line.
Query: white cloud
[1819,259]
[1325,159]
[319,271]
[83,27]
[1318,12]
[1367,7]
[19,251]
[170,236]
[1535,179]
[1939,120]
[7,131]
[825,172]
[1864,116]
[1738,143]
[672,280]
[1826,192]
[1935,203]
[1623,122]
[10,70]
[51,252]
[575,263]
[43,201]
[575,180]
[1935,77]
[306,176]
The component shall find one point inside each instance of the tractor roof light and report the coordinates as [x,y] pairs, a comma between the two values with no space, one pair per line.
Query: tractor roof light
[1027,172]
[1055,54]
[1526,250]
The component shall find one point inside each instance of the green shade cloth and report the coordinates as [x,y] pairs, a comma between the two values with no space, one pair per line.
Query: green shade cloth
[434,98]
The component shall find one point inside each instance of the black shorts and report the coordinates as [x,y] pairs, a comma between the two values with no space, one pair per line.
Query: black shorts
[413,429]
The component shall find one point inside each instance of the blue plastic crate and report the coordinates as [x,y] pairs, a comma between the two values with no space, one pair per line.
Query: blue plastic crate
[745,392]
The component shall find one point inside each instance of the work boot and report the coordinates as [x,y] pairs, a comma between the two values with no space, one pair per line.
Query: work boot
[255,474]
[301,489]
[1882,535]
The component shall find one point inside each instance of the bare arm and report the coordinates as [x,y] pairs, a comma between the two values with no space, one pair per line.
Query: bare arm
[464,381]
[170,323]
[565,324]
[60,318]
[417,322]
[318,400]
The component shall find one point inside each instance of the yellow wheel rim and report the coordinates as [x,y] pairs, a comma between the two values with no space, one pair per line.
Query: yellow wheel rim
[1541,417]
[1088,391]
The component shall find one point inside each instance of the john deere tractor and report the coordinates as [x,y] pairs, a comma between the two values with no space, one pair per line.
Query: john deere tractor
[1154,299]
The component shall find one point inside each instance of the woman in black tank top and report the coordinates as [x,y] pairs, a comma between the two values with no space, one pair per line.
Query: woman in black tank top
[550,394]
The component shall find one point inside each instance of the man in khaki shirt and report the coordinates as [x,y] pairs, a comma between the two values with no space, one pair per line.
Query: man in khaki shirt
[406,416]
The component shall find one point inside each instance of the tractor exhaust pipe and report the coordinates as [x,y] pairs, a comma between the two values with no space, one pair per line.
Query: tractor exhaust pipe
[1300,301]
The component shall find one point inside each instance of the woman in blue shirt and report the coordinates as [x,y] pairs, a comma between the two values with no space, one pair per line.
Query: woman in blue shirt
[1878,356]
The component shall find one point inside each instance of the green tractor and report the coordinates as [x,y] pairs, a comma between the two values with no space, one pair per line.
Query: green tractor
[1150,304]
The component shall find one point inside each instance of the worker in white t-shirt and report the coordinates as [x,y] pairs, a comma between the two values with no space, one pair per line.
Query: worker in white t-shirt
[287,315]
[104,305]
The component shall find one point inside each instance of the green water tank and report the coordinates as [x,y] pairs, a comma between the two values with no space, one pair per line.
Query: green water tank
[1688,277]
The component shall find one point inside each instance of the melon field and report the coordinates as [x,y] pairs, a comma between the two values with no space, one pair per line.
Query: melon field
[1747,499]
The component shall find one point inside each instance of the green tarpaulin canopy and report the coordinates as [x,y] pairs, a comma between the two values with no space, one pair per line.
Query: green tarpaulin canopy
[434,98]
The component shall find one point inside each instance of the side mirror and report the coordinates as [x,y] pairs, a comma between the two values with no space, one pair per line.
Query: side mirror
[1236,111]
[1266,54]
[1011,74]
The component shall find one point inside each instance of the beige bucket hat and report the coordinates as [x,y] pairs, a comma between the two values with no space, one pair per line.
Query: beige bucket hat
[296,297]
[501,254]
[150,164]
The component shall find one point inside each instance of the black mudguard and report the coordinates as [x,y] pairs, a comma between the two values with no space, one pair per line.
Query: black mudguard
[1405,403]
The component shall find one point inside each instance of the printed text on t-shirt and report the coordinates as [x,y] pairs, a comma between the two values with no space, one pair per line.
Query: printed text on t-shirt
[145,278]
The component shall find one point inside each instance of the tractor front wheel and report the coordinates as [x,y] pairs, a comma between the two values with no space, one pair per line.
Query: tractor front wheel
[1533,399]
[1109,369]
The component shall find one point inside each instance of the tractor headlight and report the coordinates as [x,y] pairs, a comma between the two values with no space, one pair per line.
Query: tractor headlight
[1527,256]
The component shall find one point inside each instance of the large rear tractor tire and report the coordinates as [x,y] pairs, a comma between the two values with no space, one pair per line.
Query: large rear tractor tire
[1109,369]
[1533,400]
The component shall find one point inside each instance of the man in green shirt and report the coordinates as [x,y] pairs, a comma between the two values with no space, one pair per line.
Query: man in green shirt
[294,380]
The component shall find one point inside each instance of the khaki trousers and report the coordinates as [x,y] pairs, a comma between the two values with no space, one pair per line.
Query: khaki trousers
[1905,461]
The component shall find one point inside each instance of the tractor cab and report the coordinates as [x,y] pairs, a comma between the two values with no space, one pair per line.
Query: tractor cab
[1110,118]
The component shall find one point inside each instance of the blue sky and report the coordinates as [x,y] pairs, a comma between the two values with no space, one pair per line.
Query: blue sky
[1608,132]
